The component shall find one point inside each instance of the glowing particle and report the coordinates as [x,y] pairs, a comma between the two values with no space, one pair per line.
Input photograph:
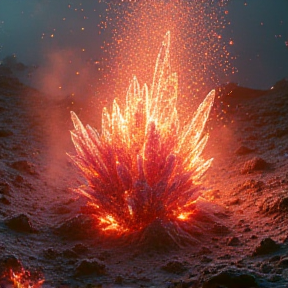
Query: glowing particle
[197,24]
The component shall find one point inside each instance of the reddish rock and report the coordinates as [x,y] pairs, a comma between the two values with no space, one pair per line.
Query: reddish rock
[231,279]
[255,164]
[24,167]
[234,241]
[20,223]
[243,150]
[8,262]
[266,246]
[5,133]
[175,267]
[90,267]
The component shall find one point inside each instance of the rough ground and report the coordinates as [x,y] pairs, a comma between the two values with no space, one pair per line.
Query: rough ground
[240,226]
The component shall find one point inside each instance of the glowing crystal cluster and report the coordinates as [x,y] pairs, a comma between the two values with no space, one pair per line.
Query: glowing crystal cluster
[143,166]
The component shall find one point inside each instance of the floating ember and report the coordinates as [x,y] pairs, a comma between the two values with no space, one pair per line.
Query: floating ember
[144,166]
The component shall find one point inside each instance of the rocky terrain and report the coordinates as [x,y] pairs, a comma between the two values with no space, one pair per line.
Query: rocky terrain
[239,234]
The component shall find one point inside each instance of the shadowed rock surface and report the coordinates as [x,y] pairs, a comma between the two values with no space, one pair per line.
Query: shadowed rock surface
[237,232]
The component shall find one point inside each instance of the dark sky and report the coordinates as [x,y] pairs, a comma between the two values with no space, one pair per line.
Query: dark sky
[31,29]
[259,30]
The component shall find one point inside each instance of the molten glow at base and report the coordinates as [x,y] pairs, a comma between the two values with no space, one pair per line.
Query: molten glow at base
[143,166]
[23,280]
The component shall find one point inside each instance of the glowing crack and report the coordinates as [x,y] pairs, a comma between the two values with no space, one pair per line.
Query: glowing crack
[143,166]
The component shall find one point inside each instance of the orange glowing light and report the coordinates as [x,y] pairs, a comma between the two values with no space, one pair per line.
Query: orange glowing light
[22,279]
[143,166]
[184,216]
[109,223]
[138,26]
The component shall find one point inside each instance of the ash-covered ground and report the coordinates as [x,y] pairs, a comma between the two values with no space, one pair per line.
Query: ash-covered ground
[237,237]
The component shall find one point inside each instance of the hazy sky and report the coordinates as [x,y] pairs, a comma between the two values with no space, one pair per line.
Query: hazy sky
[260,30]
[32,28]
[29,28]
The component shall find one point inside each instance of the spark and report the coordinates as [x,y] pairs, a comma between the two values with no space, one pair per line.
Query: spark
[196,24]
[143,166]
